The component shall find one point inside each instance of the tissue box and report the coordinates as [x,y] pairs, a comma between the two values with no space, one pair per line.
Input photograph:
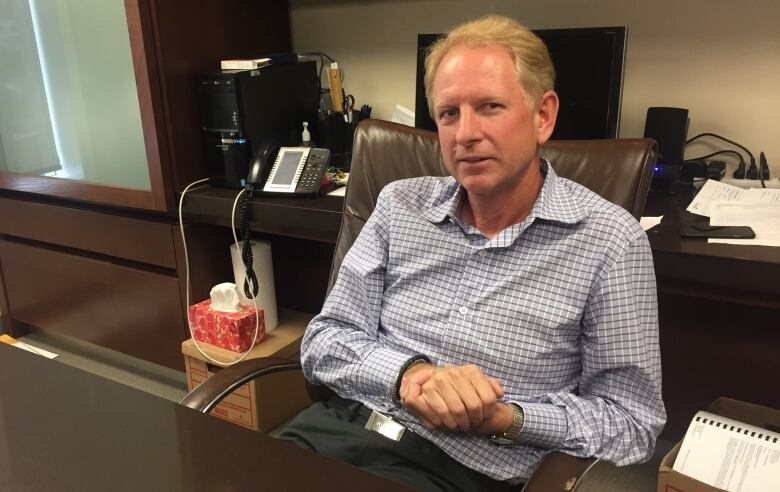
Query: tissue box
[232,331]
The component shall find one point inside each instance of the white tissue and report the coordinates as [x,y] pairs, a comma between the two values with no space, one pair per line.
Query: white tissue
[224,297]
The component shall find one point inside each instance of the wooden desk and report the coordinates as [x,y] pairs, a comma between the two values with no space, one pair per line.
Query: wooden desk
[65,429]
[719,315]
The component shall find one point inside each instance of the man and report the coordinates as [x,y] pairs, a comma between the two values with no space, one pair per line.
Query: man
[496,314]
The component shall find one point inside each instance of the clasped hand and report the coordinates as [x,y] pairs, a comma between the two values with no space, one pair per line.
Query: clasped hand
[454,398]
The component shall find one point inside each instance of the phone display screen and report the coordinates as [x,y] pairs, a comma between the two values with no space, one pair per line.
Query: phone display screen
[288,165]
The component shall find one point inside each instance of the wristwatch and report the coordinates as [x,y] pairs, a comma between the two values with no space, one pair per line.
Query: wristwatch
[511,435]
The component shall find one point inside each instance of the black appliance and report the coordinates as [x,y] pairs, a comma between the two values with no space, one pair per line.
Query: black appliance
[668,127]
[243,109]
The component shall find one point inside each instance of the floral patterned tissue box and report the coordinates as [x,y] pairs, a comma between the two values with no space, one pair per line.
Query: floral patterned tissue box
[232,331]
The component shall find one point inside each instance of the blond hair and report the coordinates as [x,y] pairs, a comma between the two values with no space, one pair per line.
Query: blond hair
[533,66]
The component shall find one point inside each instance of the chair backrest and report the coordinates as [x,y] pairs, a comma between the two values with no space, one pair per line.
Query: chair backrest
[619,170]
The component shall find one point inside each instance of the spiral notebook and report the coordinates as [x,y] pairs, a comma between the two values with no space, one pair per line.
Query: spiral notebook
[730,455]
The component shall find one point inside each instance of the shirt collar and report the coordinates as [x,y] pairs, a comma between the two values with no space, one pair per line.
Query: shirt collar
[554,202]
[447,204]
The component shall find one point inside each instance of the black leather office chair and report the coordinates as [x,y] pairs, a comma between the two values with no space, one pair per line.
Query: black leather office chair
[619,170]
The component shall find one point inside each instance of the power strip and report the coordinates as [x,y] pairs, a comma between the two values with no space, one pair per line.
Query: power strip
[751,183]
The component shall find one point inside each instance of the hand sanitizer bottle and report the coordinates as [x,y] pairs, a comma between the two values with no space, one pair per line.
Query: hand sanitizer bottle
[306,136]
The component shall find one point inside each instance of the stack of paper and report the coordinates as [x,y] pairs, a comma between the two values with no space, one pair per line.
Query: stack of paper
[25,346]
[244,64]
[728,205]
[648,223]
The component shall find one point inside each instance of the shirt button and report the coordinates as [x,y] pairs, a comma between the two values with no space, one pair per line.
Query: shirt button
[482,253]
[464,311]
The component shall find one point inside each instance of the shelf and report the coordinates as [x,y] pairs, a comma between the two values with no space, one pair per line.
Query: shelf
[317,219]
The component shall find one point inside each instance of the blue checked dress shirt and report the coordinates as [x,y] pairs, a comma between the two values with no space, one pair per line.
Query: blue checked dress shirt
[561,308]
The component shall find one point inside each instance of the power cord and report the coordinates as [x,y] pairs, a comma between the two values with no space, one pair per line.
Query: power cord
[322,55]
[740,172]
[187,276]
[763,166]
[721,152]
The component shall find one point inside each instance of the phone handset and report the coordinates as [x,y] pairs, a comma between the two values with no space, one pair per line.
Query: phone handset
[257,169]
[260,164]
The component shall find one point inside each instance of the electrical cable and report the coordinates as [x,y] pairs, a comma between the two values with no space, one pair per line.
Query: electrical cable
[715,135]
[727,151]
[187,282]
[751,169]
[322,56]
[764,166]
[740,171]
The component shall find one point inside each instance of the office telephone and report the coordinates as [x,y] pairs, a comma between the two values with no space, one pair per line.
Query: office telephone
[290,170]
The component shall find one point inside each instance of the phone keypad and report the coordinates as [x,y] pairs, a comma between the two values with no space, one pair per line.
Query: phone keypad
[311,177]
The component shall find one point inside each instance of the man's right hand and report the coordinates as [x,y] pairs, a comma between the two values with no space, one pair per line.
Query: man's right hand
[450,398]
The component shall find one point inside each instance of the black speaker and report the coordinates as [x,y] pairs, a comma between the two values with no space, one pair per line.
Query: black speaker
[668,127]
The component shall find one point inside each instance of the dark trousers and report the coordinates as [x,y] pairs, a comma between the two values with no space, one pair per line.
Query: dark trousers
[336,429]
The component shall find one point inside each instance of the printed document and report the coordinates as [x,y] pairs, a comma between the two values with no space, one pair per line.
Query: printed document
[730,455]
[713,191]
[762,217]
[728,205]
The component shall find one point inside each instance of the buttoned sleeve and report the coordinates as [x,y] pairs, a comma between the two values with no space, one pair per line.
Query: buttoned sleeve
[342,347]
[616,412]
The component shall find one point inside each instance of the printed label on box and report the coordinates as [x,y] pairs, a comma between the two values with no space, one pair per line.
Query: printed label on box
[237,407]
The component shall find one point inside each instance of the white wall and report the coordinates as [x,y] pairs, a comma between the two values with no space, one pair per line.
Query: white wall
[718,58]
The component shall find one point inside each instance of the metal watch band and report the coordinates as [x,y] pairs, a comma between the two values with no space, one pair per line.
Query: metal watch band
[511,435]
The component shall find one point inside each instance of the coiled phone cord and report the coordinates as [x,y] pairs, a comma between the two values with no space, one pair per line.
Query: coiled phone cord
[250,279]
[187,274]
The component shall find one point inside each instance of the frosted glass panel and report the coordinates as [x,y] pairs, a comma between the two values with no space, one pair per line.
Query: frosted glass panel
[68,100]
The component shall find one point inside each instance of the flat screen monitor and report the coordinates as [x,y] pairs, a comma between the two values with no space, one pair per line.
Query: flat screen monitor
[588,79]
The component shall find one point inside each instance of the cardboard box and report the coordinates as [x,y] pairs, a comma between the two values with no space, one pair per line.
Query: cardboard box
[233,331]
[670,480]
[282,395]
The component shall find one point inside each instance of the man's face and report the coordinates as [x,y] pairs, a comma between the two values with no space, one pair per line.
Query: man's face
[488,129]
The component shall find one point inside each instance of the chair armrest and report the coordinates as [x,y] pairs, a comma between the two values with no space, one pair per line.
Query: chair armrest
[559,472]
[213,390]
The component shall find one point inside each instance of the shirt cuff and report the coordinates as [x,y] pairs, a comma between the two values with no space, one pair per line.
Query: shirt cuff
[544,425]
[411,362]
[379,372]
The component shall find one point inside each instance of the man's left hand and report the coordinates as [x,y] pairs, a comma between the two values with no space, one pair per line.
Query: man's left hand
[455,398]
